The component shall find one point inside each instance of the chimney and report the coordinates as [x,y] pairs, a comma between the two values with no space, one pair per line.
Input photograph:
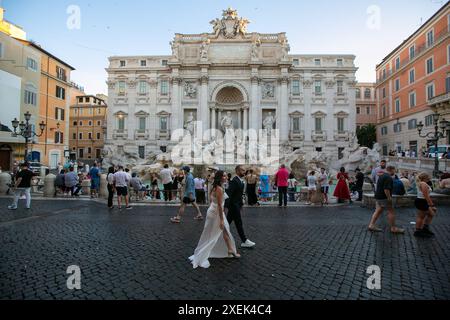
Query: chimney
[2,12]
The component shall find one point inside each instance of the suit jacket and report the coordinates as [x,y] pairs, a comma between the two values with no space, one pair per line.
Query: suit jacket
[235,192]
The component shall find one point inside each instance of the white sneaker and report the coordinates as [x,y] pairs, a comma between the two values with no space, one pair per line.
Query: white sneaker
[248,244]
[12,207]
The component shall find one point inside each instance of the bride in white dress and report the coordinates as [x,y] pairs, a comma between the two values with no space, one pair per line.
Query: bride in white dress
[216,240]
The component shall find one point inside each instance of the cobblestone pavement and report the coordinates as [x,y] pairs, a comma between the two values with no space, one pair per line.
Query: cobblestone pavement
[301,253]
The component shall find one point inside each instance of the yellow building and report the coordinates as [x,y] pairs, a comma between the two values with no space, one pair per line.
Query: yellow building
[87,127]
[20,69]
[11,29]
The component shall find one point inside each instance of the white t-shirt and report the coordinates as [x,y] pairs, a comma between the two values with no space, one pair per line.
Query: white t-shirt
[292,183]
[312,182]
[324,180]
[121,178]
[199,183]
[166,176]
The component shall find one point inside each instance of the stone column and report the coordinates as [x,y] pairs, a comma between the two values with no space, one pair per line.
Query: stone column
[213,117]
[49,186]
[330,125]
[245,126]
[103,186]
[282,124]
[204,103]
[309,121]
[177,117]
[254,109]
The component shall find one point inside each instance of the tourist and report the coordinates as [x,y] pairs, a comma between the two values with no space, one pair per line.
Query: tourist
[383,197]
[154,185]
[138,186]
[111,188]
[235,204]
[189,197]
[281,181]
[95,180]
[324,182]
[251,180]
[167,179]
[22,186]
[359,183]
[426,210]
[312,187]
[381,169]
[59,182]
[180,178]
[342,191]
[121,181]
[71,180]
[292,187]
[200,190]
[444,184]
[216,229]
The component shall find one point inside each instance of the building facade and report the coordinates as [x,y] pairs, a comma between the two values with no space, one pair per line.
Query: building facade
[19,90]
[231,73]
[87,127]
[409,80]
[366,104]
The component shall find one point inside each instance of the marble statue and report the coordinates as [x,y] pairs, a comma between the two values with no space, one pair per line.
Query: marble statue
[204,50]
[217,26]
[175,49]
[285,49]
[242,26]
[269,91]
[268,123]
[227,122]
[189,90]
[255,50]
[189,125]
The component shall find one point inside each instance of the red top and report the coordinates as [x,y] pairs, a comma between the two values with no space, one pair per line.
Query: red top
[282,177]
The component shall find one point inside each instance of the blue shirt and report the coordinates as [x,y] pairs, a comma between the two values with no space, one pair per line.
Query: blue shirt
[190,187]
[94,173]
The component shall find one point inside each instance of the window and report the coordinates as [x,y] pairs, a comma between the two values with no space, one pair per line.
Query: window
[90,123]
[142,152]
[412,124]
[142,125]
[80,136]
[99,135]
[75,123]
[90,136]
[429,120]
[74,136]
[397,127]
[317,62]
[367,94]
[89,150]
[163,124]
[430,66]
[358,93]
[164,87]
[98,153]
[143,63]
[61,74]
[296,125]
[142,87]
[340,125]
[397,63]
[367,110]
[340,87]
[99,123]
[412,52]
[296,87]
[87,99]
[164,63]
[318,124]
[60,93]
[122,87]
[412,76]
[385,150]
[81,153]
[340,62]
[383,108]
[430,91]
[80,100]
[59,114]
[358,110]
[32,64]
[59,137]
[412,99]
[384,93]
[447,83]
[397,84]
[384,131]
[397,105]
[430,38]
[121,123]
[296,62]
[384,74]
[123,63]
[30,98]
[318,87]
[81,123]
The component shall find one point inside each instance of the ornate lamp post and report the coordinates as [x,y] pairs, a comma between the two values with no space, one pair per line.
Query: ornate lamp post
[25,130]
[440,131]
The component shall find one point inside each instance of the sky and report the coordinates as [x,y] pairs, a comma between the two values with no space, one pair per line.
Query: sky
[368,29]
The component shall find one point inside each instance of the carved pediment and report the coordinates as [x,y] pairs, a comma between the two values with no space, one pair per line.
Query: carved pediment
[163,114]
[141,113]
[297,114]
[120,114]
[319,114]
[341,114]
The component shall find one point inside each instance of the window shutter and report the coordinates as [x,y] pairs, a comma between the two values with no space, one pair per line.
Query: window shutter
[62,114]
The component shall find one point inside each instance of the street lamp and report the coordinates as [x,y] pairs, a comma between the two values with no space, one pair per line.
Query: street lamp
[25,130]
[441,130]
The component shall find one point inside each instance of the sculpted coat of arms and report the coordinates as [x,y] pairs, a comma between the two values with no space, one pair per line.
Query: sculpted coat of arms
[230,25]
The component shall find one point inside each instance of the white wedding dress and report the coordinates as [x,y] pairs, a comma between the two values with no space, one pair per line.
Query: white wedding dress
[212,244]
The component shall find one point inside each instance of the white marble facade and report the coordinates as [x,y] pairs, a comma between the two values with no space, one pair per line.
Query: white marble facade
[249,76]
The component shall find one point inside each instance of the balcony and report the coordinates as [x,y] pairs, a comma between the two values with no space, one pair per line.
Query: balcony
[141,135]
[120,134]
[163,135]
[318,136]
[341,136]
[297,135]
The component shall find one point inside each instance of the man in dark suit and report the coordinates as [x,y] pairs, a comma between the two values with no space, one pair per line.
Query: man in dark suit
[235,192]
